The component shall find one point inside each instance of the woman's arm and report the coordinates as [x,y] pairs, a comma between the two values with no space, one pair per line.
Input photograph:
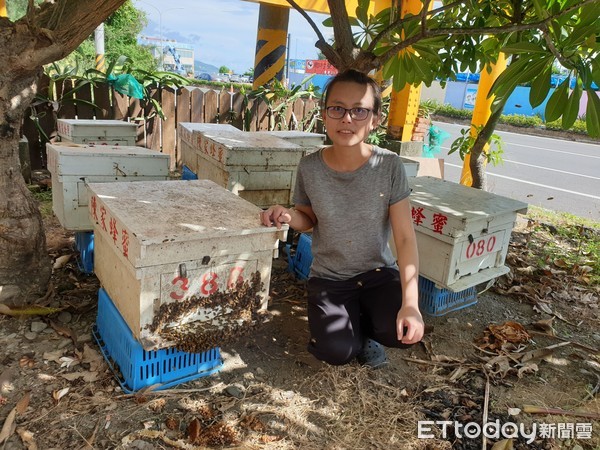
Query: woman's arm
[409,316]
[300,218]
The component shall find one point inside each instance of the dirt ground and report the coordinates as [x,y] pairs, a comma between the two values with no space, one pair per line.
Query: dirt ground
[541,351]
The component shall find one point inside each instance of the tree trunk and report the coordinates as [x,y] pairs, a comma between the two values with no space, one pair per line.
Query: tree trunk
[24,264]
[478,157]
[47,33]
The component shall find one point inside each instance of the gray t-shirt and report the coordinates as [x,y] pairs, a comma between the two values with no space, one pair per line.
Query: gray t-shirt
[352,208]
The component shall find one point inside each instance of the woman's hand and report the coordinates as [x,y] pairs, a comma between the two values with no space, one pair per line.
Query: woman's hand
[275,216]
[409,325]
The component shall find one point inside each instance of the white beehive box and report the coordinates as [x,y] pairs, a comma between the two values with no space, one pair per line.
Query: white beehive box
[186,139]
[462,233]
[73,165]
[97,132]
[259,168]
[302,138]
[161,242]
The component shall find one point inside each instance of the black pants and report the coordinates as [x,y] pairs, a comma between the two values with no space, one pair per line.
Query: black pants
[342,313]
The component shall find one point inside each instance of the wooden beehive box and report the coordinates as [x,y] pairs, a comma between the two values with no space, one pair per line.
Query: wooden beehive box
[186,140]
[302,138]
[174,242]
[97,132]
[74,165]
[259,168]
[462,233]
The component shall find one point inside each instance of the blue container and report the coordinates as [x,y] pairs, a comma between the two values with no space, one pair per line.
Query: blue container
[84,242]
[187,174]
[300,263]
[136,368]
[438,302]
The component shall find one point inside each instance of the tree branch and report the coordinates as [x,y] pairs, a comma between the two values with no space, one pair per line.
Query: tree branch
[396,23]
[342,31]
[558,55]
[308,19]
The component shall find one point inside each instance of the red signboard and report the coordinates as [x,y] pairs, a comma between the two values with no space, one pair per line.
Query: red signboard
[320,66]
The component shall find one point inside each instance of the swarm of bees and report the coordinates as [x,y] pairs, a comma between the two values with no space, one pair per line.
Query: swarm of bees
[237,312]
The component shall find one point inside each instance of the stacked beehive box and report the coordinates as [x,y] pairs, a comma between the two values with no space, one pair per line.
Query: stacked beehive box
[72,166]
[97,132]
[187,265]
[259,167]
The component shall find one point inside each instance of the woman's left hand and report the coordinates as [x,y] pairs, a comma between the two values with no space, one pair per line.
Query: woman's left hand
[409,324]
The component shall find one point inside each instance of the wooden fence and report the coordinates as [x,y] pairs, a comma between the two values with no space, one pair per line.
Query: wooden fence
[187,104]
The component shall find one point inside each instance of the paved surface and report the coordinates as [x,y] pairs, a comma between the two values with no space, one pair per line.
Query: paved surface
[551,173]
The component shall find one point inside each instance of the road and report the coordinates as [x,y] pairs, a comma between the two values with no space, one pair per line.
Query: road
[551,173]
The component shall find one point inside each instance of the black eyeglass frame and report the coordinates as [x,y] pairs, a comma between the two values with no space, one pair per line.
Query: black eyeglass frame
[352,112]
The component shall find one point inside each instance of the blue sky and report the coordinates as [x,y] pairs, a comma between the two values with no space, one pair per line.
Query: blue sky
[223,32]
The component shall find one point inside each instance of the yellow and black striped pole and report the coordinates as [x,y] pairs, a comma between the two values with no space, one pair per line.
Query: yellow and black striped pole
[404,104]
[271,41]
[99,43]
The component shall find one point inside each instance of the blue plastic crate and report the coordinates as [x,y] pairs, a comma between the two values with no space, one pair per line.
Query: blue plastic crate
[438,301]
[84,242]
[187,174]
[136,368]
[300,263]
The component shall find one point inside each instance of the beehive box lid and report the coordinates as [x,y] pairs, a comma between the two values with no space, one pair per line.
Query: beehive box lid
[455,210]
[236,147]
[120,160]
[304,138]
[186,129]
[171,221]
[70,128]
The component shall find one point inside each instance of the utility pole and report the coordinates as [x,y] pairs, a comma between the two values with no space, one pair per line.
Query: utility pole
[99,43]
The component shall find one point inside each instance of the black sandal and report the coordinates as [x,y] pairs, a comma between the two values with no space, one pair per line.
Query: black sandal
[372,354]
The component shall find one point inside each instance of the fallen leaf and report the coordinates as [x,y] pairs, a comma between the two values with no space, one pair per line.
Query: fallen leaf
[88,377]
[64,331]
[93,358]
[545,325]
[27,310]
[57,395]
[22,404]
[559,262]
[193,430]
[8,427]
[542,307]
[61,261]
[527,368]
[53,356]
[66,361]
[27,438]
[504,444]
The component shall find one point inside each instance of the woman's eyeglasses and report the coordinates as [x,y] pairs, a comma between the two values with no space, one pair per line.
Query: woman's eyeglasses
[337,112]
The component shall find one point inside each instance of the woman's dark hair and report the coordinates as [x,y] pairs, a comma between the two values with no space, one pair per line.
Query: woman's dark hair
[355,76]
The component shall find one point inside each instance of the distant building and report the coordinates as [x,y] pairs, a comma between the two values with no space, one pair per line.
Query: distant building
[175,56]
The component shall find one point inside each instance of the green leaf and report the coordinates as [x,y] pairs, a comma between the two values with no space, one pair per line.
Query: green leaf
[596,70]
[592,113]
[523,47]
[556,102]
[540,86]
[572,107]
[362,10]
[390,68]
[328,22]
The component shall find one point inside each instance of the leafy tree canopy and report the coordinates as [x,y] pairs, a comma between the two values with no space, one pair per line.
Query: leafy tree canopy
[224,69]
[121,30]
